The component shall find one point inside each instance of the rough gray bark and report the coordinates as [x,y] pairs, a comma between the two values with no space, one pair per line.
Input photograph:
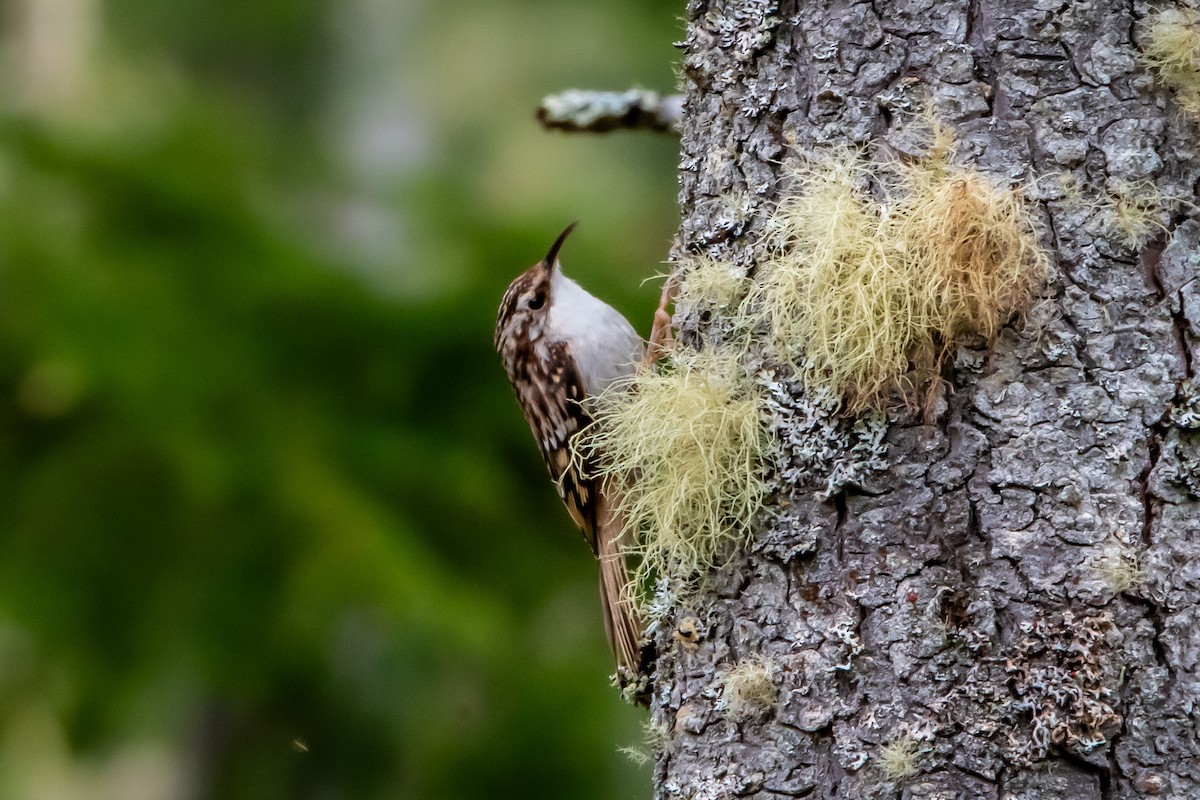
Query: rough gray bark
[960,591]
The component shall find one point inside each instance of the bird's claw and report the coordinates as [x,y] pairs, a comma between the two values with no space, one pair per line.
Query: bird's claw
[661,336]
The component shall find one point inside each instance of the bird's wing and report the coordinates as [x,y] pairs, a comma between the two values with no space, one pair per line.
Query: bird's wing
[562,408]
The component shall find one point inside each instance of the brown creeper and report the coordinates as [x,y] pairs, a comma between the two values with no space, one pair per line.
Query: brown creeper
[561,347]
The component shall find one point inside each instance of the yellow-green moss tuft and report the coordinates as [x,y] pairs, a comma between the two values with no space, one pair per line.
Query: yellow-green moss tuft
[975,253]
[872,295]
[706,282]
[655,736]
[1133,213]
[638,755]
[1130,213]
[1172,50]
[748,688]
[900,759]
[832,292]
[1122,570]
[687,444]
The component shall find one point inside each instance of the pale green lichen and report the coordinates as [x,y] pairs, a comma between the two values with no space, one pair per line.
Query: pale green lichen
[708,283]
[687,444]
[747,688]
[1121,570]
[1172,51]
[868,297]
[900,758]
[1133,213]
[654,736]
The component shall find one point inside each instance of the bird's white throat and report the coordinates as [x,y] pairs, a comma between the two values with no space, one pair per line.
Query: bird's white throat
[603,343]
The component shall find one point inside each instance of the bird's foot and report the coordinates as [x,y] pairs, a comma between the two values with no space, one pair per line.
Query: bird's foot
[662,338]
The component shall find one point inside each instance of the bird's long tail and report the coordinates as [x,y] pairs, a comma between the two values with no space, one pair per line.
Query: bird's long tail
[621,622]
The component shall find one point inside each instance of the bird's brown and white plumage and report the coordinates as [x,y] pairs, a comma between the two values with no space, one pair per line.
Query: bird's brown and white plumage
[561,347]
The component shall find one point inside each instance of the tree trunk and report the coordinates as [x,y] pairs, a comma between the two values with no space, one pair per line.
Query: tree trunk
[1001,600]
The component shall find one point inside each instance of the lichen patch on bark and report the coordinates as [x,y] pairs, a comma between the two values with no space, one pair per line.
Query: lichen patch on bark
[943,581]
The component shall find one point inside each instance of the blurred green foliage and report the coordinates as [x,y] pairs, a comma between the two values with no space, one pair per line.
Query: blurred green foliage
[271,525]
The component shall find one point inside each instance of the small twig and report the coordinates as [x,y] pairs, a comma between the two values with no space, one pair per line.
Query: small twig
[578,110]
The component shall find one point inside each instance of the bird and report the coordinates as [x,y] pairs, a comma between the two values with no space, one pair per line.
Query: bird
[561,347]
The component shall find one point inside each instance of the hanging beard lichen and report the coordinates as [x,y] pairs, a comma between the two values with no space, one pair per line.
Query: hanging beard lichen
[1172,50]
[687,445]
[859,297]
[867,298]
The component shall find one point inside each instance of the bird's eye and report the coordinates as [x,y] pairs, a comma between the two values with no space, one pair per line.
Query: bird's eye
[536,302]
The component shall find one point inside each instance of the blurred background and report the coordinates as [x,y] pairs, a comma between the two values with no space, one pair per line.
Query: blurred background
[271,525]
